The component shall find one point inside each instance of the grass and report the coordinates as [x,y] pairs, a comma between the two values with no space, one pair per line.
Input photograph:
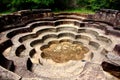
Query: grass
[5,12]
[82,11]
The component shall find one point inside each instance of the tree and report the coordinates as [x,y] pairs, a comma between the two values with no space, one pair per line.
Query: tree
[114,4]
[58,4]
[97,4]
[82,3]
[4,5]
[65,4]
[30,4]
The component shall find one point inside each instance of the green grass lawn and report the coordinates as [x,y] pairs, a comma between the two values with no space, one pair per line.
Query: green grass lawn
[5,12]
[82,11]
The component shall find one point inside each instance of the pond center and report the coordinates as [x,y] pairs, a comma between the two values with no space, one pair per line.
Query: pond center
[64,51]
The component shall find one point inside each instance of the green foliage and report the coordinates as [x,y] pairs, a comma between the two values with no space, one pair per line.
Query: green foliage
[93,4]
[43,2]
[97,4]
[83,3]
[30,4]
[82,11]
[115,4]
[13,5]
[4,5]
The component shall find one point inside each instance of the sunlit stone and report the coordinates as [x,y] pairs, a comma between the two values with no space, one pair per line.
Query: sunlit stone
[64,51]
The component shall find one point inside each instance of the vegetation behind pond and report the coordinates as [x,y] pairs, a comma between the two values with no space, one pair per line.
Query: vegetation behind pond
[7,6]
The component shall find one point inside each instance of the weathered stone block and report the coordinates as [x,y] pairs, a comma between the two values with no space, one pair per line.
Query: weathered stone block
[8,75]
[117,49]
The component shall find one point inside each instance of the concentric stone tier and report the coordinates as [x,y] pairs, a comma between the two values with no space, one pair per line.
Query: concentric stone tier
[25,34]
